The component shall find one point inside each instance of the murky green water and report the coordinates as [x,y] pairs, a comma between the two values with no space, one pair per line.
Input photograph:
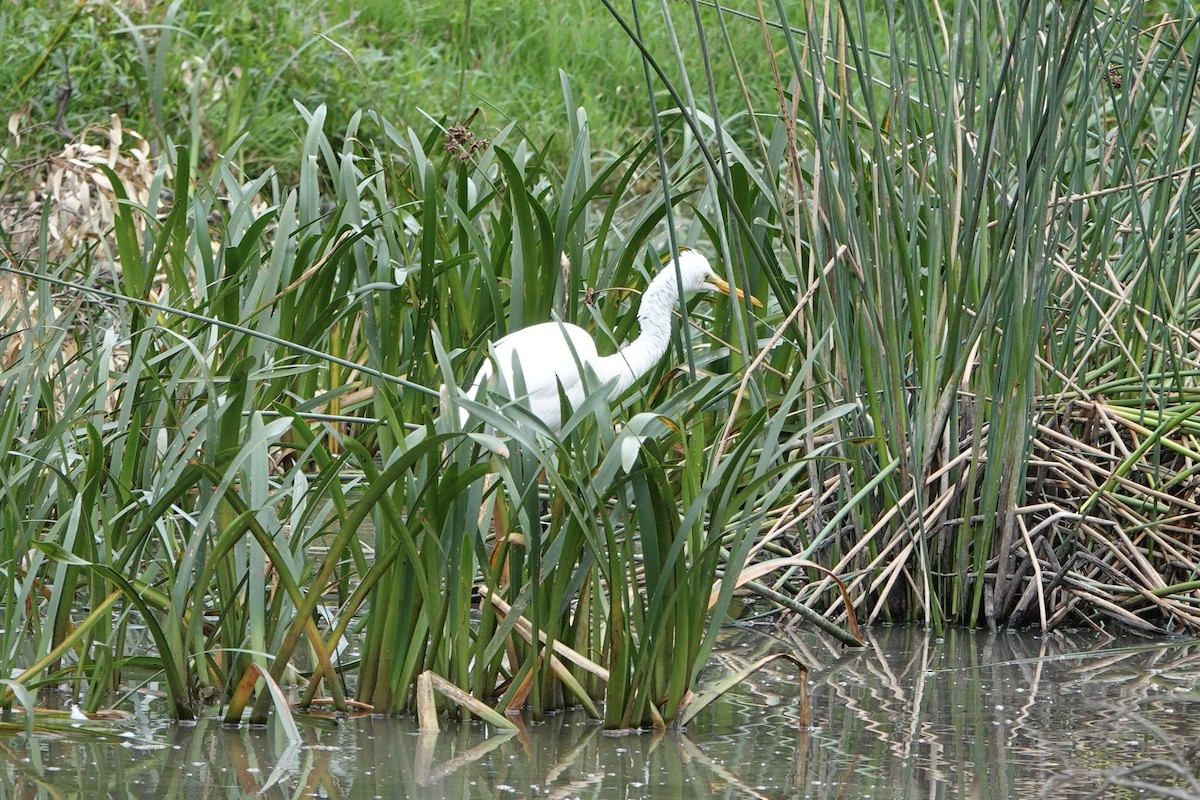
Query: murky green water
[973,715]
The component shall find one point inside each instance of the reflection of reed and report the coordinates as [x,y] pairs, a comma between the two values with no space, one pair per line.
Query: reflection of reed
[565,757]
[970,715]
[997,715]
[201,762]
[727,776]
[1176,776]
[210,760]
[428,775]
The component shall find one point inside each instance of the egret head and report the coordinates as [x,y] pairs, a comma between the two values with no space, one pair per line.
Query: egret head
[699,276]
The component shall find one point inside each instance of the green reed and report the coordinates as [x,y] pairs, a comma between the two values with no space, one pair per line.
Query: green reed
[242,447]
[986,211]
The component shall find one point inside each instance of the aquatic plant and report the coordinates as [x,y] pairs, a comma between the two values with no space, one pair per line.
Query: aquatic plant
[231,423]
[981,230]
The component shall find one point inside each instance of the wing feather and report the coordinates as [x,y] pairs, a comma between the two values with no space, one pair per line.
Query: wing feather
[547,354]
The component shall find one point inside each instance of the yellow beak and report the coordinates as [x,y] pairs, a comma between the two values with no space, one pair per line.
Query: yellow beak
[724,288]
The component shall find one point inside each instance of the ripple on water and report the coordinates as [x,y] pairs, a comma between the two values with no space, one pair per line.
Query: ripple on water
[967,715]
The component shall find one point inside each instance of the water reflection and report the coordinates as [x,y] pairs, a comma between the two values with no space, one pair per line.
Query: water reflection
[970,715]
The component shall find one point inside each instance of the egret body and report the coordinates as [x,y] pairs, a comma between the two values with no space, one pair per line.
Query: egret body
[551,353]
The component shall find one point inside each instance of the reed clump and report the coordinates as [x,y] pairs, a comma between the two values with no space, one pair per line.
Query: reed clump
[233,450]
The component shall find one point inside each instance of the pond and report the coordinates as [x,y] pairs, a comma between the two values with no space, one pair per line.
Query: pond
[970,715]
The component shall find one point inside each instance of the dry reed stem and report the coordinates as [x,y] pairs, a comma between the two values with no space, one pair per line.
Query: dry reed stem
[1128,559]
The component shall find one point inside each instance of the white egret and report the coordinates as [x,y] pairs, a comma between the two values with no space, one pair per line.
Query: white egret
[550,354]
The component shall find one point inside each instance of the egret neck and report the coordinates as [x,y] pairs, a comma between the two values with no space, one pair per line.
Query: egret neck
[654,319]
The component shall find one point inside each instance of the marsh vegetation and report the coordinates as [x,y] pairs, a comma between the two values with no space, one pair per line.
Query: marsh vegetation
[235,313]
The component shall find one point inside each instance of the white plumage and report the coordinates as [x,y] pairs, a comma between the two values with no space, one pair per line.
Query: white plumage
[551,353]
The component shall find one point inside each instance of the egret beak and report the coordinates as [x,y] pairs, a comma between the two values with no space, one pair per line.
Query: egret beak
[724,288]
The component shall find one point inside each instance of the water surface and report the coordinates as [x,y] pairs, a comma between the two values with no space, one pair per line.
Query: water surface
[972,715]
